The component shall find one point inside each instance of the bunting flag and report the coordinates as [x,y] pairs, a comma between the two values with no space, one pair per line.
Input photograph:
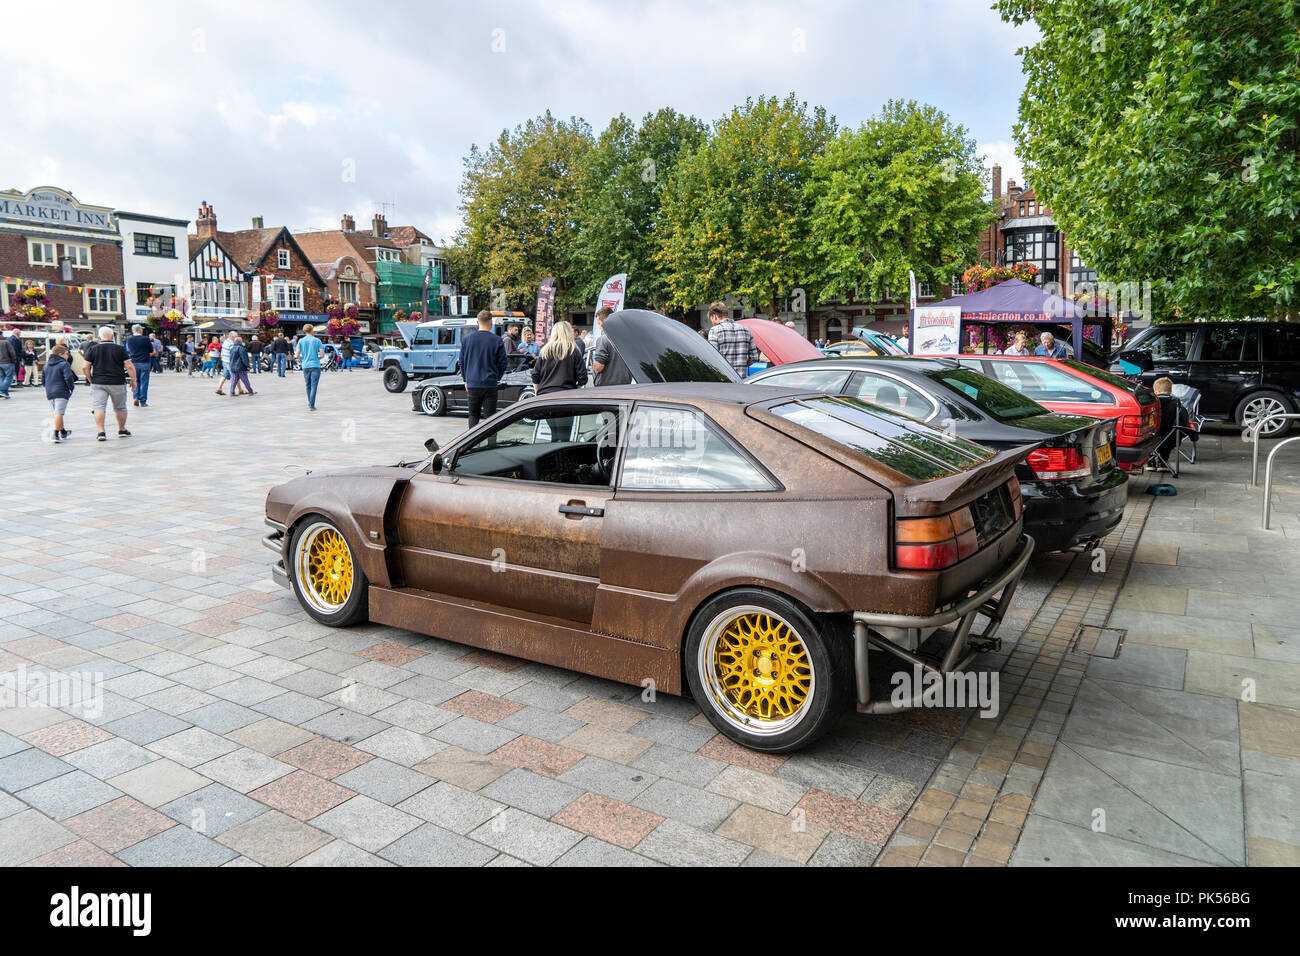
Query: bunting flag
[58,286]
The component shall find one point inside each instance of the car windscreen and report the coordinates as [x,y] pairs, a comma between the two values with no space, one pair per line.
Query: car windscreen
[988,395]
[902,444]
[1101,375]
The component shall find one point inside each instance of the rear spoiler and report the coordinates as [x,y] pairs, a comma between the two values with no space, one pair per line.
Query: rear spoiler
[945,494]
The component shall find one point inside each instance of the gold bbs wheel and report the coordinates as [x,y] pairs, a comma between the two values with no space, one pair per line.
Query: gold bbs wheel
[324,569]
[757,669]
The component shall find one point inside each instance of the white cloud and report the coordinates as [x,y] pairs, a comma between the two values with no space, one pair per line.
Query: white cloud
[258,107]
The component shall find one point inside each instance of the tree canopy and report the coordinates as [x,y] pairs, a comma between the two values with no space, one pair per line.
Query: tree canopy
[903,191]
[1163,134]
[734,216]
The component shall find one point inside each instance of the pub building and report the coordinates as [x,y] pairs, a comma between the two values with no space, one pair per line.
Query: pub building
[72,250]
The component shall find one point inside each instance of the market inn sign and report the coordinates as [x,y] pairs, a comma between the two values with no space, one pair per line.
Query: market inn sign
[48,205]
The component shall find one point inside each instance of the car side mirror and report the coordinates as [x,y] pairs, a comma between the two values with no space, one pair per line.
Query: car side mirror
[436,464]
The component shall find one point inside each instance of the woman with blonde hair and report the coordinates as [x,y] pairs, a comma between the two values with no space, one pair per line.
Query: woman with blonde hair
[560,364]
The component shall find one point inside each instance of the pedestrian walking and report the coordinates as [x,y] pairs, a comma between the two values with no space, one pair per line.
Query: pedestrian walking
[140,348]
[191,355]
[29,365]
[239,362]
[159,350]
[108,367]
[609,367]
[227,346]
[735,342]
[255,354]
[560,365]
[59,381]
[482,363]
[308,351]
[10,359]
[280,350]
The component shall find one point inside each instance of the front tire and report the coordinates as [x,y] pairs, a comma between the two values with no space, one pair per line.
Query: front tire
[1260,404]
[394,378]
[433,401]
[325,576]
[766,673]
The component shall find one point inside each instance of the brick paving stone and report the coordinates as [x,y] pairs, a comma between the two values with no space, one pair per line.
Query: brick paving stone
[451,807]
[274,839]
[852,818]
[527,837]
[146,726]
[678,844]
[762,790]
[68,794]
[80,853]
[302,795]
[538,795]
[28,835]
[680,765]
[65,737]
[431,845]
[340,853]
[610,820]
[783,835]
[118,824]
[594,852]
[548,759]
[192,747]
[29,767]
[244,769]
[608,778]
[415,715]
[324,757]
[222,717]
[490,659]
[542,724]
[159,782]
[464,768]
[699,808]
[607,743]
[213,810]
[366,823]
[345,725]
[401,746]
[484,707]
[387,782]
[606,713]
[392,654]
[728,751]
[271,736]
[178,846]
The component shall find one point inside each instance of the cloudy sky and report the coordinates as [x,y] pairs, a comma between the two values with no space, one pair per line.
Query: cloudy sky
[301,111]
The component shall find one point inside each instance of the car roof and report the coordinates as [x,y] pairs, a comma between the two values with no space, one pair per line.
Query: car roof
[908,363]
[693,393]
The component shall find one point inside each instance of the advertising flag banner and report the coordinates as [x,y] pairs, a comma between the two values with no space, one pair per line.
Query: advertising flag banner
[936,330]
[613,292]
[544,317]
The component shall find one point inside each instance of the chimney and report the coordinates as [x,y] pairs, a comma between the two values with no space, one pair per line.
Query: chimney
[997,181]
[257,222]
[206,223]
[349,224]
[378,226]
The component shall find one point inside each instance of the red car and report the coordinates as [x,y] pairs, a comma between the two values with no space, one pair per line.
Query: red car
[1064,385]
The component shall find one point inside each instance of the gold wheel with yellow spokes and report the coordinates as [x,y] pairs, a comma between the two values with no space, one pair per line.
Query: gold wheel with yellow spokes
[324,568]
[757,669]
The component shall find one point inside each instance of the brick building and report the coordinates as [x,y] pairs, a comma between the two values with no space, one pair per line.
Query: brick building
[74,250]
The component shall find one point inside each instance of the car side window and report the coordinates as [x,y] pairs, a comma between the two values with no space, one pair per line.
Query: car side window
[824,380]
[1047,383]
[678,449]
[446,336]
[1170,345]
[561,444]
[1223,343]
[891,394]
[422,337]
[1281,344]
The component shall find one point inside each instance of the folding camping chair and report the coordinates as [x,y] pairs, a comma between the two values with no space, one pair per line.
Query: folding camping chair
[1180,427]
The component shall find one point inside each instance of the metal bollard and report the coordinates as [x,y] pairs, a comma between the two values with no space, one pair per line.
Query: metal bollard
[1268,477]
[1254,440]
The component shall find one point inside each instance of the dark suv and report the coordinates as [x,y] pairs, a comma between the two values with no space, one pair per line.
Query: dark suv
[1244,370]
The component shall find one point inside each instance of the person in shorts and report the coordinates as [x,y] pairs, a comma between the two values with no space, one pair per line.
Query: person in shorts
[59,381]
[109,367]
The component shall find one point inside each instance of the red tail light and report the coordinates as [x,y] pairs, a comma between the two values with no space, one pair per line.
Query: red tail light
[932,544]
[1057,464]
[1017,504]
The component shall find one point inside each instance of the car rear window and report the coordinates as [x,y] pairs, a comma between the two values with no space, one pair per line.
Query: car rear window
[988,395]
[909,448]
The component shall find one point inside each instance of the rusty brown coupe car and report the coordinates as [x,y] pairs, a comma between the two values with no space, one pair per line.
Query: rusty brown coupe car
[746,545]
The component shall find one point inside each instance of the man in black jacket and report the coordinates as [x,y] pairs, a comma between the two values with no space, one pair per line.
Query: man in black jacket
[10,359]
[482,363]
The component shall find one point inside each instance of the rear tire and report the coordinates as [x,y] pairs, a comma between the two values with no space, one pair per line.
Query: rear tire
[768,675]
[394,378]
[433,401]
[1259,404]
[324,574]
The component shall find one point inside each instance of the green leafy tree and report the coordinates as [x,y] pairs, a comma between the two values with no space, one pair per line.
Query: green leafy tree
[1163,133]
[734,216]
[903,191]
[619,188]
[518,200]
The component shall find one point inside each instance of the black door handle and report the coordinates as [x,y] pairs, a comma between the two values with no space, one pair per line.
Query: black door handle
[582,511]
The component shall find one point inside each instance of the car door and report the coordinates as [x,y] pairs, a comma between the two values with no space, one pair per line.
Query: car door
[1225,367]
[511,521]
[892,393]
[1171,355]
[421,351]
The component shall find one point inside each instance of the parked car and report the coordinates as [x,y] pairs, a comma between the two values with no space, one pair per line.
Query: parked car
[1243,370]
[644,534]
[433,347]
[777,344]
[1077,388]
[866,342]
[437,396]
[1073,491]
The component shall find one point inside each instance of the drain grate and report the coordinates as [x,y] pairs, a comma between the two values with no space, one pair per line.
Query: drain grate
[1098,641]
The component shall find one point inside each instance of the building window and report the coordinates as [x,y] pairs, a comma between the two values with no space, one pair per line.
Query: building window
[101,299]
[347,291]
[41,254]
[80,256]
[286,296]
[282,259]
[387,255]
[149,245]
[1037,246]
[144,291]
[924,291]
[11,289]
[227,296]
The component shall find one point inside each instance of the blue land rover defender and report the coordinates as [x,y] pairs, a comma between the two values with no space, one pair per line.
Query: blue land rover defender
[433,347]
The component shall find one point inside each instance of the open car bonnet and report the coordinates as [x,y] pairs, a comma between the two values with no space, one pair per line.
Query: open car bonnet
[779,342]
[659,349]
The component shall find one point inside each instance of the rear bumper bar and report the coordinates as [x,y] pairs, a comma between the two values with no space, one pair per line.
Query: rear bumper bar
[275,542]
[989,599]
